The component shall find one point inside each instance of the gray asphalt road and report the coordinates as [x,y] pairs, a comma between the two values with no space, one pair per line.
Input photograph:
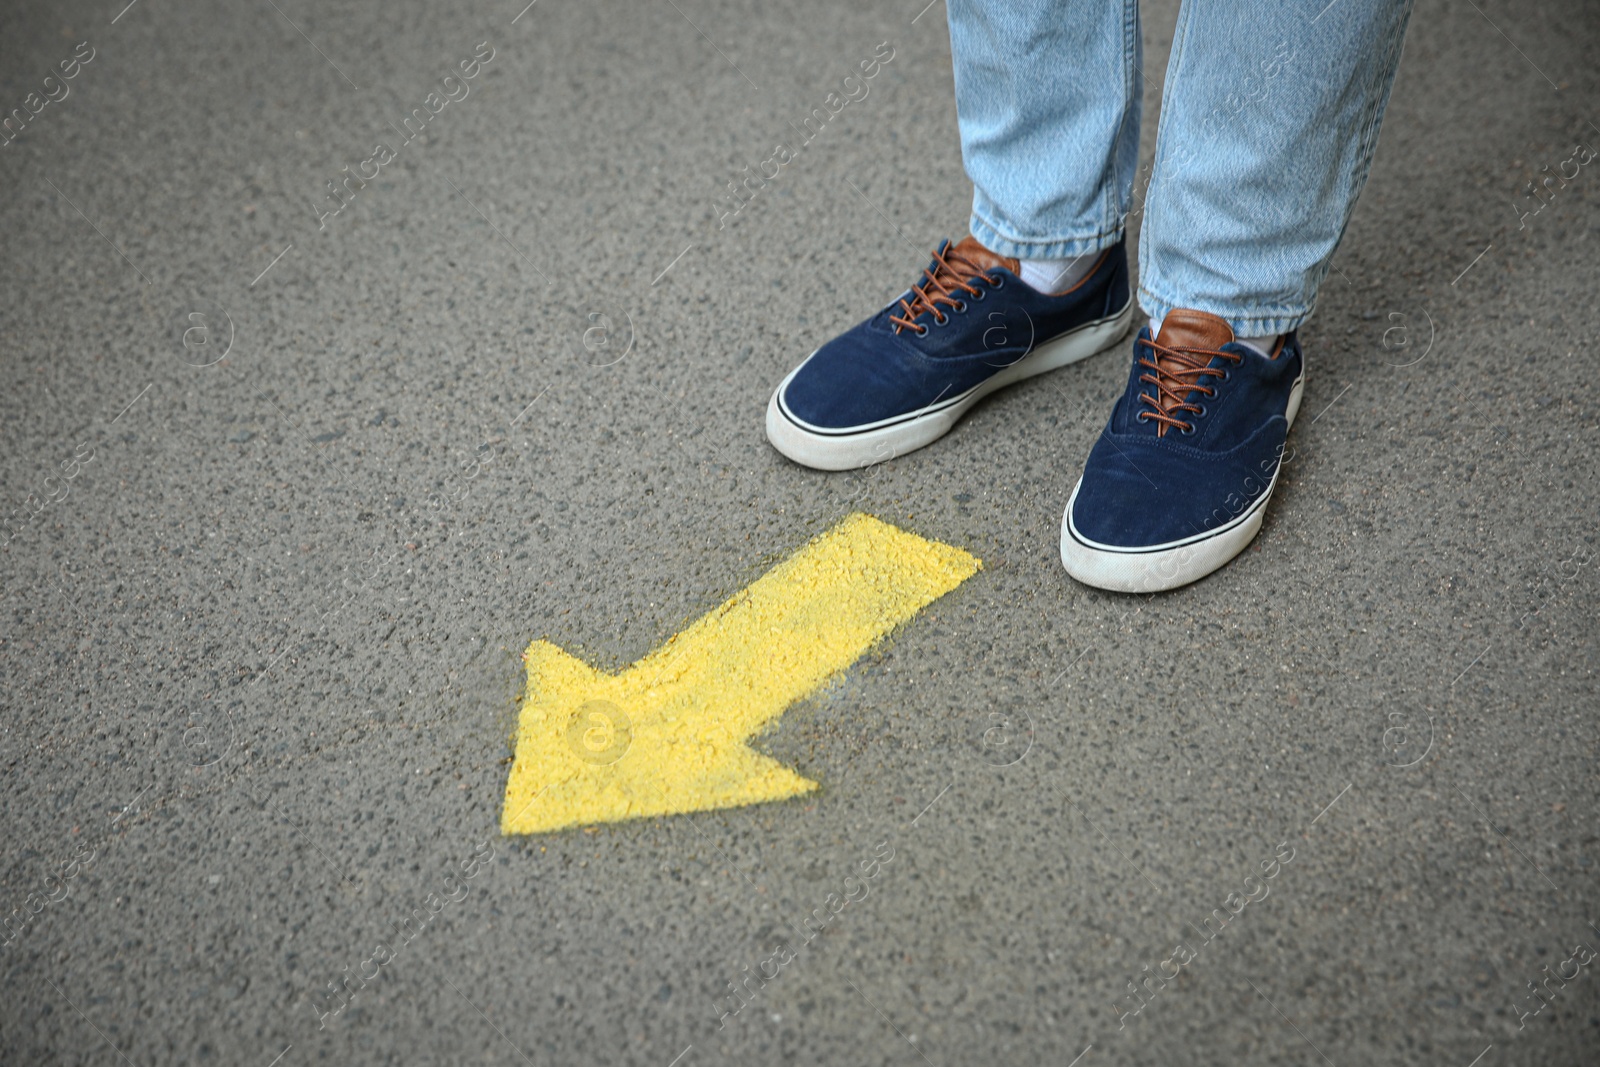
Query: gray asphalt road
[293,489]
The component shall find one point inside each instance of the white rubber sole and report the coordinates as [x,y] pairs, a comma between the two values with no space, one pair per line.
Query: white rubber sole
[863,446]
[1177,563]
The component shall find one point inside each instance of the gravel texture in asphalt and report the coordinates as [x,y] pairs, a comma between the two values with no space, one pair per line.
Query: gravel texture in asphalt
[291,490]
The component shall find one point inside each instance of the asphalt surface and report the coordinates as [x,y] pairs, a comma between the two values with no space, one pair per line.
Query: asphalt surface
[262,626]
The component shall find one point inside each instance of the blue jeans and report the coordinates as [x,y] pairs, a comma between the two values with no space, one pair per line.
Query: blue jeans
[1269,117]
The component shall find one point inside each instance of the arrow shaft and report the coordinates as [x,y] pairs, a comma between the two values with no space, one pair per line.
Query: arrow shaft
[800,624]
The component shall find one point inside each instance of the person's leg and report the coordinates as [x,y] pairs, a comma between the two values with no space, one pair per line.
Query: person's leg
[1269,117]
[1268,124]
[1047,100]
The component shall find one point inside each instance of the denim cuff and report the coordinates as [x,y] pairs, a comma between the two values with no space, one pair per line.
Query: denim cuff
[1244,322]
[1063,248]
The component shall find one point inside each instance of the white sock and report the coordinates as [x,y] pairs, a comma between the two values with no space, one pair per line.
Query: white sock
[1264,345]
[1057,275]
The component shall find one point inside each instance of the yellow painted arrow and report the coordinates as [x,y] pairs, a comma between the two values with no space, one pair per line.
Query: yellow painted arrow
[667,735]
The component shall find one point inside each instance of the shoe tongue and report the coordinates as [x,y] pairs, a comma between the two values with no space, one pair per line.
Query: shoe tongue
[969,249]
[1185,328]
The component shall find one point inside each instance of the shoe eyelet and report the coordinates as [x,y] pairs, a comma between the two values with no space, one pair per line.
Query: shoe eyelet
[978,297]
[1188,430]
[1201,413]
[959,307]
[997,283]
[922,331]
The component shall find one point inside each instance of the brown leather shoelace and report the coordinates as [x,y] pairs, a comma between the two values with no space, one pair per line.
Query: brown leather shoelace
[1178,372]
[954,272]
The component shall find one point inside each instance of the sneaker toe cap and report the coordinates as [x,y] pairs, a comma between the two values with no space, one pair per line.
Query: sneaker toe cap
[861,377]
[1138,494]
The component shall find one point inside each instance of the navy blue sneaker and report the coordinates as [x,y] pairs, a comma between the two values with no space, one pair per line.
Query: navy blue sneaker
[902,378]
[1178,483]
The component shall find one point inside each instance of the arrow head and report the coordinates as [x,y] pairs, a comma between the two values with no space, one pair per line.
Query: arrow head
[596,747]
